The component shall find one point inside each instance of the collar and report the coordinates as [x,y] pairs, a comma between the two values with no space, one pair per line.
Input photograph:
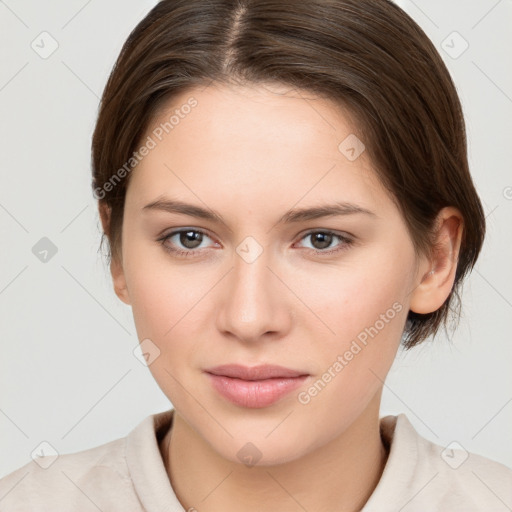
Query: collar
[153,488]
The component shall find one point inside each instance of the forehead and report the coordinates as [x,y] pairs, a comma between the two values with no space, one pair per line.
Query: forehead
[272,114]
[265,141]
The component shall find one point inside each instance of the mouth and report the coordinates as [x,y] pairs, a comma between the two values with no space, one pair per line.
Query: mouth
[257,386]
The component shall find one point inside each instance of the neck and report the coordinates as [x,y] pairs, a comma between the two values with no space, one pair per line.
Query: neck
[341,475]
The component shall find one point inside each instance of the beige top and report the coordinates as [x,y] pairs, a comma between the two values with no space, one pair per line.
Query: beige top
[128,475]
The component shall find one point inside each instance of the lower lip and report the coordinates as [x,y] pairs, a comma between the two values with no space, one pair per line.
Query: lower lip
[255,393]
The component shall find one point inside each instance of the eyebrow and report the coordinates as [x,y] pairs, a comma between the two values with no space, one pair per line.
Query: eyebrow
[291,216]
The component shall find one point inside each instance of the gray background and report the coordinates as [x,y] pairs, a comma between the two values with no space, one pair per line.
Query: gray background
[68,374]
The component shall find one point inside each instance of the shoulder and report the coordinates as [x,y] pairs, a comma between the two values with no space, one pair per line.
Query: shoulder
[80,481]
[422,475]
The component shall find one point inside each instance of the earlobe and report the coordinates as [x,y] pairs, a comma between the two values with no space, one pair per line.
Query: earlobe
[119,281]
[434,285]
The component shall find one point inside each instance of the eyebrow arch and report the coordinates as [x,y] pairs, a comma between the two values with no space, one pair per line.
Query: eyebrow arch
[340,208]
[294,215]
[174,206]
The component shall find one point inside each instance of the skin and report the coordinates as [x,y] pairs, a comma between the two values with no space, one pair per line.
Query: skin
[251,154]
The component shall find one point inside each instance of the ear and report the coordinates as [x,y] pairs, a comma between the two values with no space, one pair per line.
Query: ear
[116,266]
[437,274]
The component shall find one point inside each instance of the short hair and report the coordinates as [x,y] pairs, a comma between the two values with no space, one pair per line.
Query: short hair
[368,56]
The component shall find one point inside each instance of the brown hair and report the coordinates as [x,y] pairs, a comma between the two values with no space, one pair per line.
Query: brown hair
[367,55]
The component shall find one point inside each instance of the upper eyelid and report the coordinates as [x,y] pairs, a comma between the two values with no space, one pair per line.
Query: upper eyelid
[165,237]
[184,230]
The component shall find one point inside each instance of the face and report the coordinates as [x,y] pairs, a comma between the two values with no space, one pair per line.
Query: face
[257,283]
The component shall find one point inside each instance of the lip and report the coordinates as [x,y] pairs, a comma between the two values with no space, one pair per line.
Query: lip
[257,386]
[261,372]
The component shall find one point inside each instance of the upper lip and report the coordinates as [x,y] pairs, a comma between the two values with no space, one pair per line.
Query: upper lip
[254,372]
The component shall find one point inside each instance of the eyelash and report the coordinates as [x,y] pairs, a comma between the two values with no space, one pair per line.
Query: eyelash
[347,242]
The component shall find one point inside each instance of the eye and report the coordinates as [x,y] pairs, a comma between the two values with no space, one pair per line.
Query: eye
[322,240]
[189,242]
[190,239]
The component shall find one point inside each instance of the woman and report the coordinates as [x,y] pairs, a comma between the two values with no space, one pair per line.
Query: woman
[285,191]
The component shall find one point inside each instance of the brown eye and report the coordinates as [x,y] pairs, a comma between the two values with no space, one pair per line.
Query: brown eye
[190,239]
[184,242]
[324,242]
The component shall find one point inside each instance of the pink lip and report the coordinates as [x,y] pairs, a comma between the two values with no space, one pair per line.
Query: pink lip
[254,387]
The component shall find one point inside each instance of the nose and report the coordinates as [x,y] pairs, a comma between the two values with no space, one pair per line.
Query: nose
[255,304]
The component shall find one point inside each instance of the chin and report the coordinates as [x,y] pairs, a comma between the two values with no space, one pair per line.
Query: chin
[261,452]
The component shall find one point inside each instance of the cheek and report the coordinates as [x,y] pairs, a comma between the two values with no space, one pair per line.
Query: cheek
[352,366]
[166,309]
[351,298]
[170,306]
[365,309]
[161,292]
